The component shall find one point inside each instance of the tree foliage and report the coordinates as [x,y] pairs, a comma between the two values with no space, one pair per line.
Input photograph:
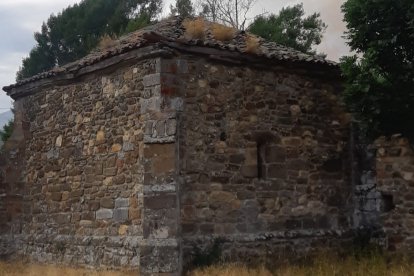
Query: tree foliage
[75,31]
[230,12]
[183,8]
[380,80]
[6,132]
[291,28]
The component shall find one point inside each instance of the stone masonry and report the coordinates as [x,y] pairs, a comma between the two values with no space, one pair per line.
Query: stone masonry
[395,185]
[142,156]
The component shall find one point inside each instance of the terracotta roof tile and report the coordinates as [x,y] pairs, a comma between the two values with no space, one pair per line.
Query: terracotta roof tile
[173,30]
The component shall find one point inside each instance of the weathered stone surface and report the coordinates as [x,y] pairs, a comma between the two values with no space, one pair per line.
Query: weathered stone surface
[104,214]
[391,198]
[121,214]
[252,157]
[258,157]
[84,165]
[121,202]
[122,230]
[161,202]
[107,202]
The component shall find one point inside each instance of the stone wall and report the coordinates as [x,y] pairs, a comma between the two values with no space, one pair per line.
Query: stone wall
[264,160]
[142,165]
[83,174]
[395,185]
[13,211]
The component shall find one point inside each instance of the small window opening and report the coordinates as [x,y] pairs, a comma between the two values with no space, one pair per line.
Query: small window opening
[262,139]
[387,203]
[260,160]
[223,136]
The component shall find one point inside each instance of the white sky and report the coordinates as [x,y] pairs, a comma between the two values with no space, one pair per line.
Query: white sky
[19,19]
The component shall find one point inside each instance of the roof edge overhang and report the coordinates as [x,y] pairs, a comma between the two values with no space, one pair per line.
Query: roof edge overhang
[20,90]
[164,47]
[320,70]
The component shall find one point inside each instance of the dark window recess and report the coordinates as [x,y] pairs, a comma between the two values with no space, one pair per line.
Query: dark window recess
[223,136]
[387,203]
[260,159]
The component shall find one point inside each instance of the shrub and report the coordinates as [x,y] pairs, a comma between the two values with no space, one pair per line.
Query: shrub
[195,28]
[222,33]
[106,42]
[252,44]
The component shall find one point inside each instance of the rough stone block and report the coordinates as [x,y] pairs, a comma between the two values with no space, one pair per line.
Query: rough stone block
[110,171]
[56,196]
[100,137]
[107,203]
[165,66]
[76,193]
[160,202]
[152,104]
[122,230]
[121,214]
[86,223]
[134,213]
[93,205]
[159,259]
[128,146]
[159,150]
[276,171]
[163,165]
[119,179]
[104,214]
[159,130]
[62,218]
[116,148]
[274,154]
[152,79]
[236,158]
[249,171]
[121,202]
[59,141]
[292,141]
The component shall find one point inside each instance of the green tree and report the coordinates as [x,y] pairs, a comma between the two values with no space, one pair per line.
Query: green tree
[6,132]
[183,8]
[75,31]
[291,28]
[380,79]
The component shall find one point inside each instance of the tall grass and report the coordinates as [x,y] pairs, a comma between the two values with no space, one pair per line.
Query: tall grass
[323,265]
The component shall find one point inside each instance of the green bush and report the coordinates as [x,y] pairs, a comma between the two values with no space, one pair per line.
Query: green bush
[7,131]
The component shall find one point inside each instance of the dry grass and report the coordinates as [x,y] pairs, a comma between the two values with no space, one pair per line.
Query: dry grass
[231,270]
[252,44]
[222,33]
[195,28]
[106,42]
[20,269]
[322,266]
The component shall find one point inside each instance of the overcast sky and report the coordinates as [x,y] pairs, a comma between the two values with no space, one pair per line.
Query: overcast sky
[19,19]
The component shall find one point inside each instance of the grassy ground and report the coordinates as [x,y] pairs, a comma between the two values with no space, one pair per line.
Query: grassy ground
[323,265]
[20,269]
[375,265]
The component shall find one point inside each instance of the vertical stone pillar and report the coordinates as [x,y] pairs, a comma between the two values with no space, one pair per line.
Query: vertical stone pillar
[160,105]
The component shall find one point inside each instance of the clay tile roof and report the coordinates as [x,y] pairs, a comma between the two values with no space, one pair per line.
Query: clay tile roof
[172,30]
